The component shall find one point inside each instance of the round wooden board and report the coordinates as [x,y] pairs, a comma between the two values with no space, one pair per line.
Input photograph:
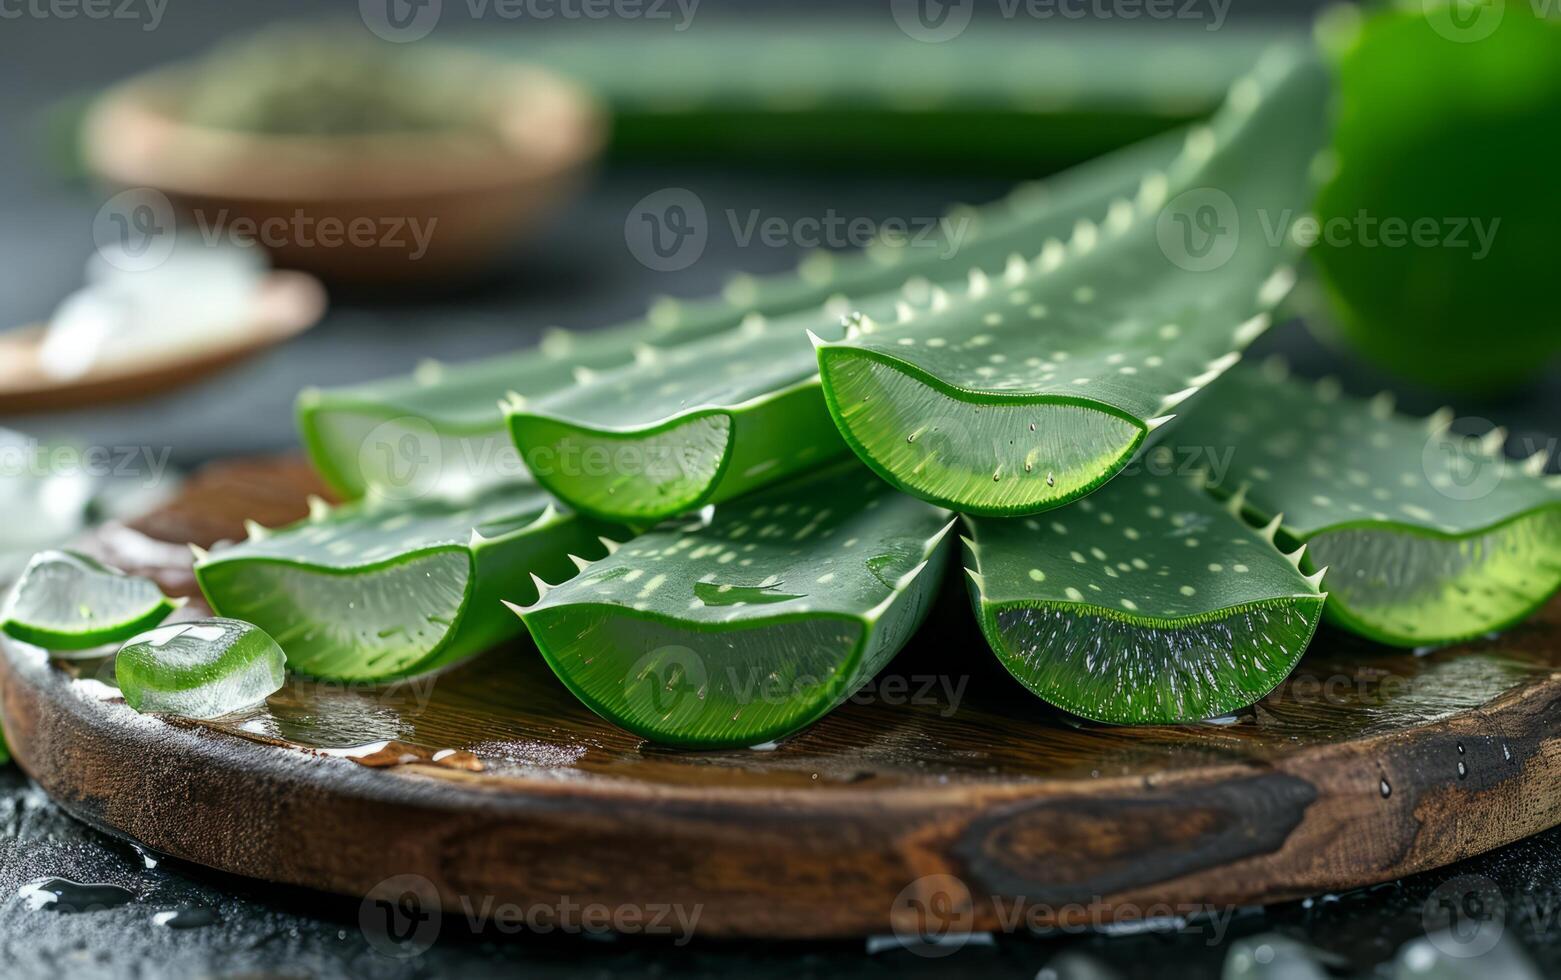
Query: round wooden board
[1367,764]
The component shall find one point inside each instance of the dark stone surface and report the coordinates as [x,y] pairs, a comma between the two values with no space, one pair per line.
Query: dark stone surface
[257,930]
[578,274]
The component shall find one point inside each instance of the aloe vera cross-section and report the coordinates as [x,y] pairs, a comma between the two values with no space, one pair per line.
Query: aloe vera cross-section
[67,601]
[439,429]
[754,625]
[1429,536]
[1013,397]
[382,589]
[1148,602]
[706,421]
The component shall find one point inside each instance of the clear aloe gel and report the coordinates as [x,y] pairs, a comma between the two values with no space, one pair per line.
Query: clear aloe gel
[65,601]
[200,669]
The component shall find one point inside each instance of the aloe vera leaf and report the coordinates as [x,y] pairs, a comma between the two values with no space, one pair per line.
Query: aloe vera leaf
[440,428]
[65,601]
[754,625]
[1148,602]
[709,420]
[382,589]
[199,669]
[1431,537]
[992,98]
[1023,394]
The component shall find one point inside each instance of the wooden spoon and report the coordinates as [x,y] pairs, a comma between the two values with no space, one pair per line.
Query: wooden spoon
[287,304]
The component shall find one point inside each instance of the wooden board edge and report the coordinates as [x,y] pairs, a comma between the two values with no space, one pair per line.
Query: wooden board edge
[782,864]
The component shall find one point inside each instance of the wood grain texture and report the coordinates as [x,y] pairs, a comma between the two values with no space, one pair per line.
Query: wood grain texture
[945,787]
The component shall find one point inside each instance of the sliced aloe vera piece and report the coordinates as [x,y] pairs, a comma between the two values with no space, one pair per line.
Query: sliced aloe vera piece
[754,625]
[709,420]
[1149,602]
[199,669]
[67,601]
[1020,395]
[1431,537]
[694,425]
[440,429]
[381,589]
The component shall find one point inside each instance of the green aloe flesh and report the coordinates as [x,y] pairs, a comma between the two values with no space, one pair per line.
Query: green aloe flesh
[709,420]
[694,425]
[440,430]
[1430,537]
[199,669]
[1021,395]
[1149,602]
[65,601]
[754,625]
[382,589]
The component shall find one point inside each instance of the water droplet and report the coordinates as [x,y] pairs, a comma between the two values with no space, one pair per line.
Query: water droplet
[190,918]
[1463,770]
[1506,751]
[1460,748]
[394,752]
[1386,789]
[1051,480]
[64,895]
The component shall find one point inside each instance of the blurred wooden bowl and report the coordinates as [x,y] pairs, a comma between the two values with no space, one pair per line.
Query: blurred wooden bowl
[472,192]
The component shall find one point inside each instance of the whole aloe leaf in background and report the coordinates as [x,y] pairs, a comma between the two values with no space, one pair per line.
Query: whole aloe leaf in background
[1413,256]
[1430,537]
[1148,602]
[382,589]
[1021,396]
[754,625]
[992,99]
[440,428]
